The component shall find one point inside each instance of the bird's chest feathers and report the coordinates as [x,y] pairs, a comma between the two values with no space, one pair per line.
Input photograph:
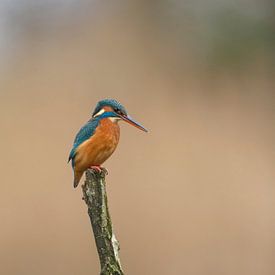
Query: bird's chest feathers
[107,133]
[100,145]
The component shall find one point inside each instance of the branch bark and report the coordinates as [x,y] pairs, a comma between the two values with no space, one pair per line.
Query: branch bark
[95,196]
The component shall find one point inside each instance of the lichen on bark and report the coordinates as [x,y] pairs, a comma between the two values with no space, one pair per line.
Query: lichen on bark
[95,196]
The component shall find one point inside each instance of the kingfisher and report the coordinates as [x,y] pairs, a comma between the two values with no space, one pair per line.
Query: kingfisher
[98,138]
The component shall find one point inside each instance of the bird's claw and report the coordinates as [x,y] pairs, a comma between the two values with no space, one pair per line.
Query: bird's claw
[96,168]
[99,169]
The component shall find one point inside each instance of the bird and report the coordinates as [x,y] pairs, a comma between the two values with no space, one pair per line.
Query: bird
[98,138]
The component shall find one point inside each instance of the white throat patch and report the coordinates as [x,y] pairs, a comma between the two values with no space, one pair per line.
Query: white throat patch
[114,119]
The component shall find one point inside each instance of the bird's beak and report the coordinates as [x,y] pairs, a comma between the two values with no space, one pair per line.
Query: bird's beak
[132,122]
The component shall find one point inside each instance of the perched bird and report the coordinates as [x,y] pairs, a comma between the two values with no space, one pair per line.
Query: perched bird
[98,138]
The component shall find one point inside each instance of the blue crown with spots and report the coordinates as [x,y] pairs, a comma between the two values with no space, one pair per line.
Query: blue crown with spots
[109,102]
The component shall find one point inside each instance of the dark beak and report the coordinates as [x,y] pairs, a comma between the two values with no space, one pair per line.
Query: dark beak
[132,122]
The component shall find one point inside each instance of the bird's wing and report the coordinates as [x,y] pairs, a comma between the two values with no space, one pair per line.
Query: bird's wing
[84,133]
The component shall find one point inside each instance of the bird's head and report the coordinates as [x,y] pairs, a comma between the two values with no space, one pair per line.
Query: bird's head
[110,108]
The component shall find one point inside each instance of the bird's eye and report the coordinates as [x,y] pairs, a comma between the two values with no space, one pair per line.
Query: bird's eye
[118,111]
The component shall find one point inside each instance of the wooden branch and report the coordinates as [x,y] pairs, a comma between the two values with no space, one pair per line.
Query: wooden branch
[95,196]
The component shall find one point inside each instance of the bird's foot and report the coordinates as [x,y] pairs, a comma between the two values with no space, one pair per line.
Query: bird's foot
[96,168]
[99,169]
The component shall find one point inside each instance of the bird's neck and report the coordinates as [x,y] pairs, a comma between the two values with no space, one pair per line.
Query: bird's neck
[110,130]
[109,125]
[114,119]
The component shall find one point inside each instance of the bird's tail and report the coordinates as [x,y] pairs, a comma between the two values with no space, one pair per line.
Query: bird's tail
[77,177]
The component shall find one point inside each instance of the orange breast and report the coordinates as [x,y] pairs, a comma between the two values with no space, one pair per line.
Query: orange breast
[100,146]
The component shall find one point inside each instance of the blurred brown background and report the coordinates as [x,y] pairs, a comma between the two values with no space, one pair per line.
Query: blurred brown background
[196,194]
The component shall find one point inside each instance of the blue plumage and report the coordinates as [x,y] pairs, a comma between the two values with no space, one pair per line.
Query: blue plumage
[109,102]
[84,133]
[100,147]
